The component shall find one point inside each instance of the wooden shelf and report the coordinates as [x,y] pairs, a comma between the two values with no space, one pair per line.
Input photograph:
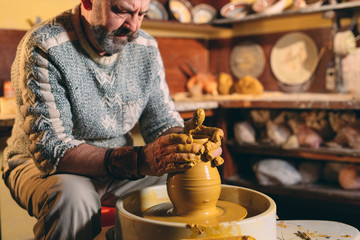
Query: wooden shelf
[175,29]
[297,101]
[279,100]
[322,153]
[319,191]
[290,12]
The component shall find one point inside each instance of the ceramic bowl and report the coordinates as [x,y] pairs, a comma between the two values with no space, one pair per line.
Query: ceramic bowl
[235,10]
[130,225]
[203,13]
[271,6]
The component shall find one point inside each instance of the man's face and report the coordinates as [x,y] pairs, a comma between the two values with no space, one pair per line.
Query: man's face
[114,23]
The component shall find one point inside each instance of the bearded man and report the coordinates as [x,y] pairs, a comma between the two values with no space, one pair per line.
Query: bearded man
[83,80]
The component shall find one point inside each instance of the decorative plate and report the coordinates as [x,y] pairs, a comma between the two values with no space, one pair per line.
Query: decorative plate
[235,10]
[203,13]
[247,58]
[293,59]
[157,11]
[181,10]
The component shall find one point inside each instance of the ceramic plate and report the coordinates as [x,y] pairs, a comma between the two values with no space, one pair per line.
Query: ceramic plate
[247,58]
[181,10]
[235,10]
[203,13]
[293,58]
[314,229]
[157,11]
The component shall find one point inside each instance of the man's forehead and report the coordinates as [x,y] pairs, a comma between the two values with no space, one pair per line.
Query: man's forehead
[132,4]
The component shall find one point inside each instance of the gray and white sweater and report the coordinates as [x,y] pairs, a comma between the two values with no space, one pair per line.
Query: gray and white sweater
[67,94]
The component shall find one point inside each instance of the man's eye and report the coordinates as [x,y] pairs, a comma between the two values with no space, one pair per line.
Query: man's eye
[142,14]
[116,10]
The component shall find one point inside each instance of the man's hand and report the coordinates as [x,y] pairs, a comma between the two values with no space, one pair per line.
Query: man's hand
[169,153]
[195,129]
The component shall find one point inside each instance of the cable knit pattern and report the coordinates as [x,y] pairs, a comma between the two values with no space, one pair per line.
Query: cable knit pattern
[67,94]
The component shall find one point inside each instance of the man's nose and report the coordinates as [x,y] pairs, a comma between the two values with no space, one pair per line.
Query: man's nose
[132,23]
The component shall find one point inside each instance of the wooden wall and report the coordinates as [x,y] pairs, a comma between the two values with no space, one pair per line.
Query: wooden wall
[203,55]
[220,54]
[177,53]
[9,39]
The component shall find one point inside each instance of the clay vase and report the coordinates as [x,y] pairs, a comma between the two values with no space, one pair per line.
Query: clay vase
[194,192]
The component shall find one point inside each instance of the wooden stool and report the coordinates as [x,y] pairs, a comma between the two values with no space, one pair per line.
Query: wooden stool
[107,216]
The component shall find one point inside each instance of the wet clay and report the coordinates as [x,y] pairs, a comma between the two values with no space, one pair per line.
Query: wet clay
[225,212]
[194,193]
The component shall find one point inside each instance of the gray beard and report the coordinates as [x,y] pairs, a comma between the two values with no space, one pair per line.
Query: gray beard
[108,43]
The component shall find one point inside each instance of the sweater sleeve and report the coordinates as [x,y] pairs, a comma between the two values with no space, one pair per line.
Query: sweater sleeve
[160,113]
[47,124]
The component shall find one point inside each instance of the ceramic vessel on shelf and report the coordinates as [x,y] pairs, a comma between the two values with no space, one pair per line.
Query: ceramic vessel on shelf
[203,13]
[180,10]
[271,6]
[157,11]
[235,10]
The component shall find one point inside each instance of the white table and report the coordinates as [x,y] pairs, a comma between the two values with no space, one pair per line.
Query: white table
[315,230]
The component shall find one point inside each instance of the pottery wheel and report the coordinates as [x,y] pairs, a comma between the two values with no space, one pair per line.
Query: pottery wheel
[226,211]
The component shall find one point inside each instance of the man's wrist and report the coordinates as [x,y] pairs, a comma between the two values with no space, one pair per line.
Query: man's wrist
[122,163]
[138,158]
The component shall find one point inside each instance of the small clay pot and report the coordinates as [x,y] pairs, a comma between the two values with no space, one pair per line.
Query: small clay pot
[194,192]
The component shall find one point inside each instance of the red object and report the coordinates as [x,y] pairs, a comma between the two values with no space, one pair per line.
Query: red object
[107,216]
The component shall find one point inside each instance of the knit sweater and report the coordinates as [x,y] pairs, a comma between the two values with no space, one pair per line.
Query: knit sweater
[67,94]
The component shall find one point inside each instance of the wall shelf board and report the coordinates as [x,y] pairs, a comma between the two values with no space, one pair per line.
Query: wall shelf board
[277,100]
[175,29]
[317,191]
[322,153]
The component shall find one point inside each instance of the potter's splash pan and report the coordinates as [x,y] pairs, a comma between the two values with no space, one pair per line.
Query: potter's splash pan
[130,225]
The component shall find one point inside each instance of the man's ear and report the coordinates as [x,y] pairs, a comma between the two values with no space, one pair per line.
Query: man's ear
[87,4]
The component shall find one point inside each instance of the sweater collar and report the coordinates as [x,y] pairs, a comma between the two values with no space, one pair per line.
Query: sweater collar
[103,60]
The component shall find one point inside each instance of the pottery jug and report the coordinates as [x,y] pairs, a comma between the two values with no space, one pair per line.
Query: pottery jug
[194,192]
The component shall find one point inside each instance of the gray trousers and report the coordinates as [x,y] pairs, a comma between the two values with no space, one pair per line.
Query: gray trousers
[67,206]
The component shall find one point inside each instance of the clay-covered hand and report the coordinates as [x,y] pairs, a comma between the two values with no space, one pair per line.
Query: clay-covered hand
[169,153]
[195,129]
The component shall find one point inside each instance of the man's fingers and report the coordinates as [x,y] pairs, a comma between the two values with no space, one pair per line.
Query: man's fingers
[183,148]
[218,161]
[181,158]
[210,155]
[175,138]
[216,134]
[210,145]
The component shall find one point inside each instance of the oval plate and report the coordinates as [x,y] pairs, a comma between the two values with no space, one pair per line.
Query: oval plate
[247,58]
[293,57]
[181,10]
